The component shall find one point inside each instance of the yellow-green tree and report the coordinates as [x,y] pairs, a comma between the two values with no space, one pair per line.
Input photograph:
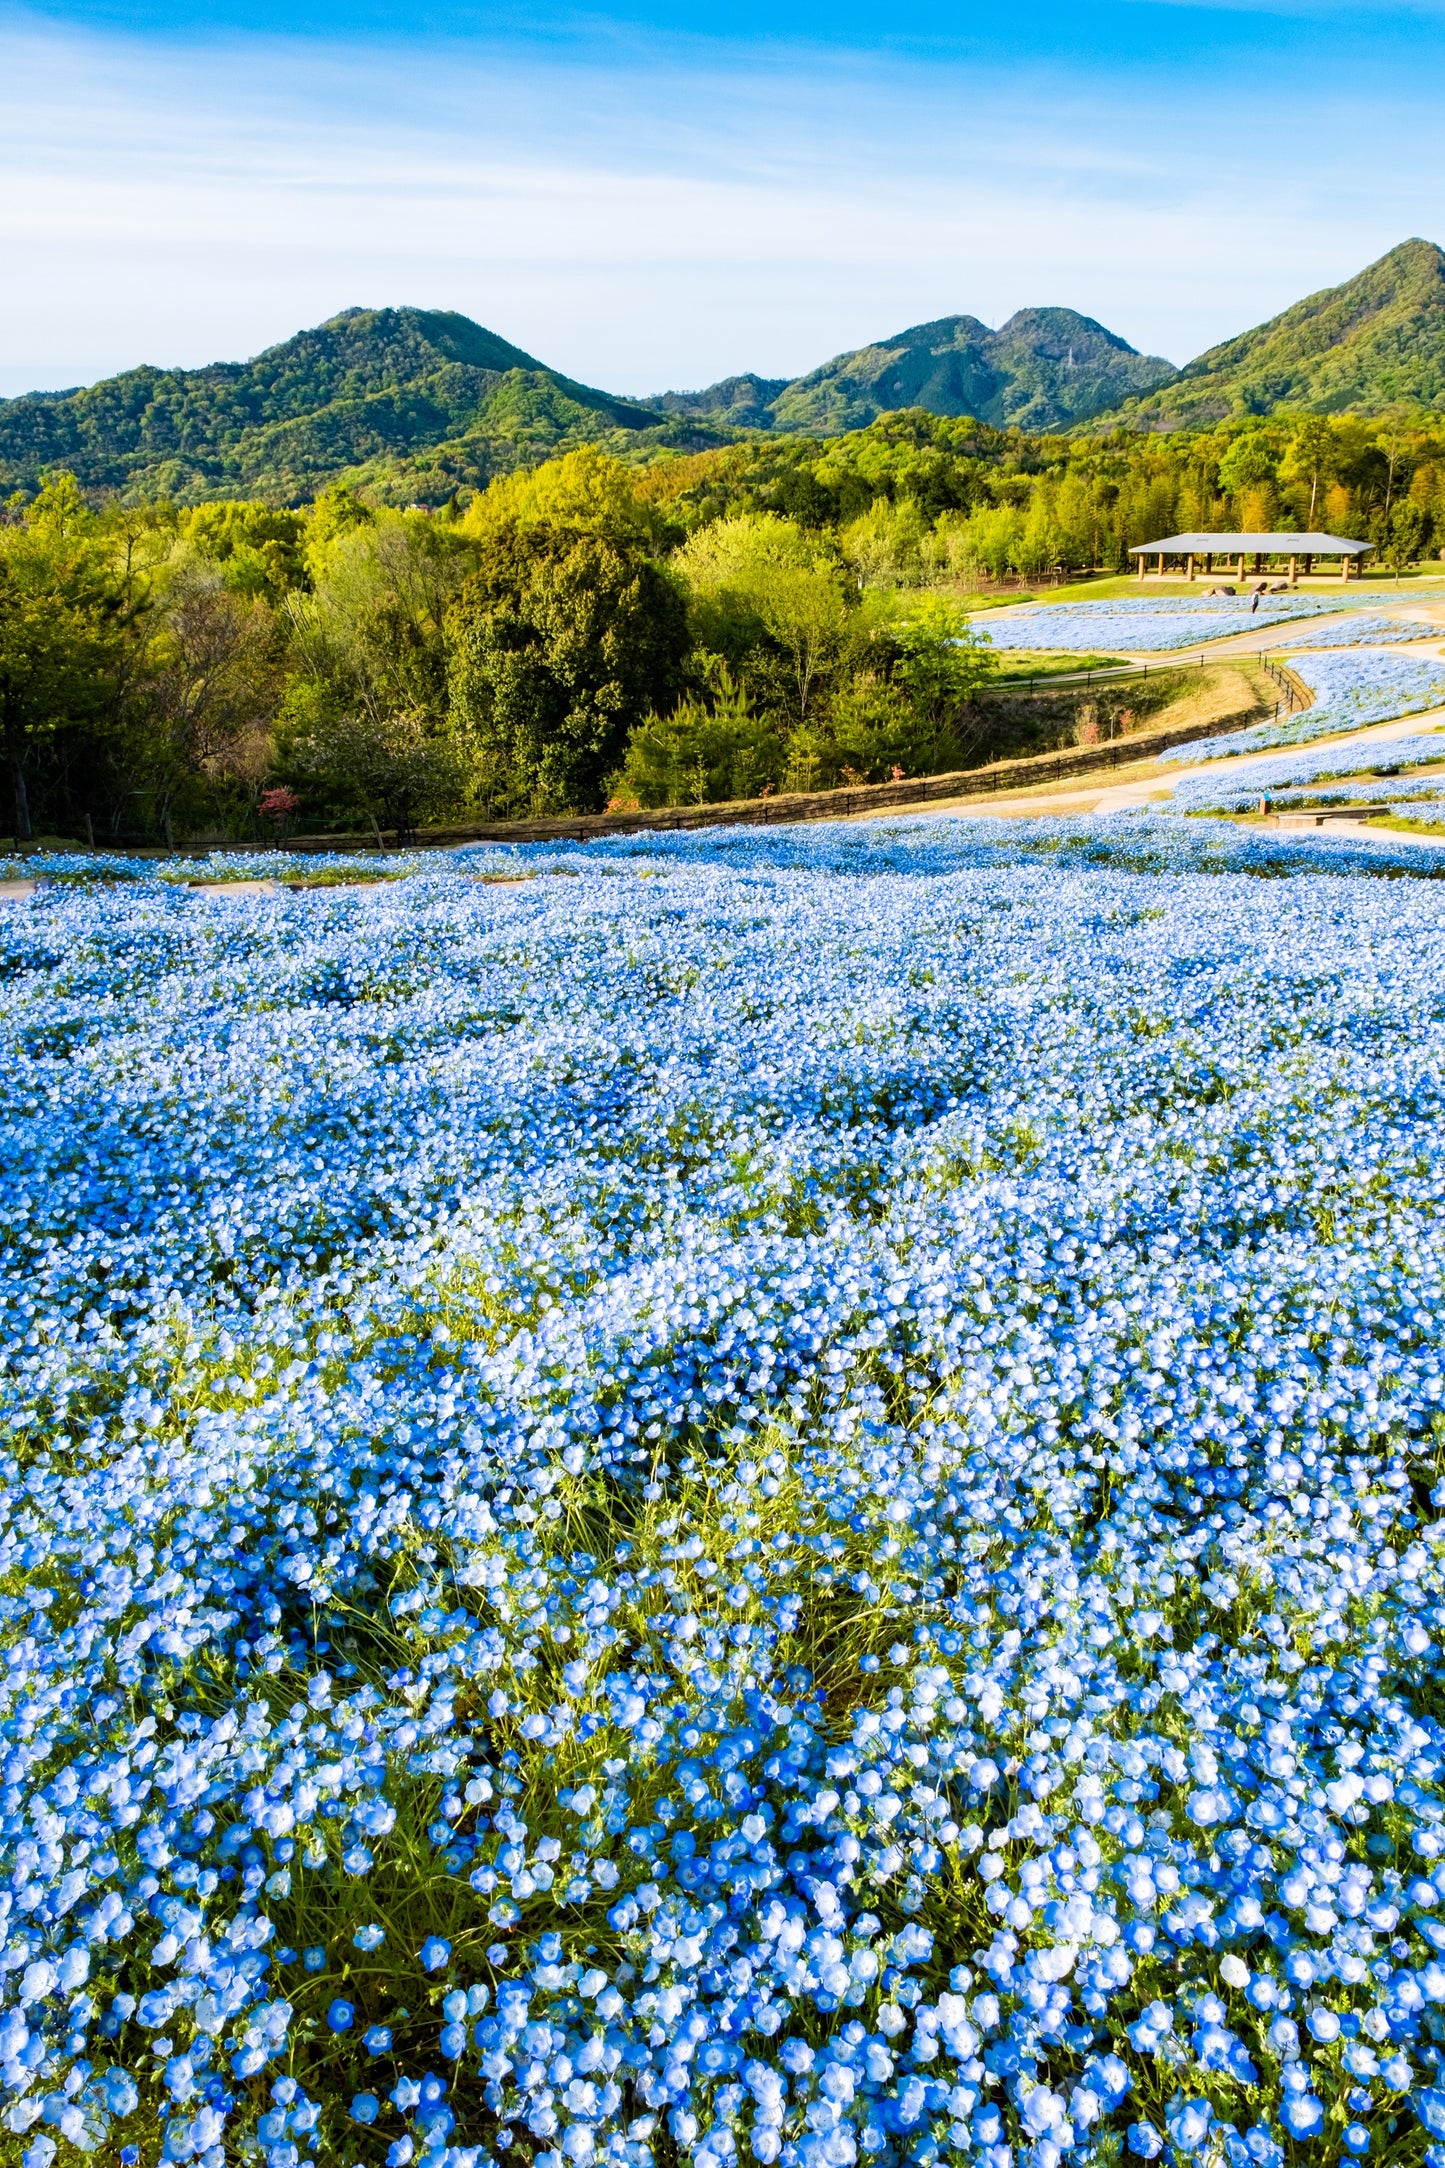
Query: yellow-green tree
[61,632]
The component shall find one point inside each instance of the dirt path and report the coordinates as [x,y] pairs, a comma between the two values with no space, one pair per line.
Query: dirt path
[234,888]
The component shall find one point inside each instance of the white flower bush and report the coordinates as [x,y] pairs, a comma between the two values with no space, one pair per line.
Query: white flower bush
[775,1497]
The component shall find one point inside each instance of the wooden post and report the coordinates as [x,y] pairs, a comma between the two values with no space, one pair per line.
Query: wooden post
[1294,572]
[1258,563]
[1209,560]
[1189,566]
[1344,565]
[1309,564]
[1141,564]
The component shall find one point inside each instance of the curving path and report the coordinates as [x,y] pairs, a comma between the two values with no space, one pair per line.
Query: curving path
[1156,781]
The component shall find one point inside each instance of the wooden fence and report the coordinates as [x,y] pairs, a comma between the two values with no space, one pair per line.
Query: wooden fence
[1032,771]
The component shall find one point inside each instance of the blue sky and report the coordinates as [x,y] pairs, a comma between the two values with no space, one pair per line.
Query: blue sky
[658,195]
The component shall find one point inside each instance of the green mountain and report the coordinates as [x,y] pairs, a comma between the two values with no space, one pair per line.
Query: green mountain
[737,402]
[1373,344]
[1044,369]
[415,403]
[411,401]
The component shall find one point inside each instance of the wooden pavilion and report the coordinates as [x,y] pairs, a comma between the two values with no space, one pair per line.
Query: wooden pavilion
[1233,549]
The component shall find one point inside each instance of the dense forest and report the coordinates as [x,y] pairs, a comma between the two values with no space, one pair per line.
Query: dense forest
[780,613]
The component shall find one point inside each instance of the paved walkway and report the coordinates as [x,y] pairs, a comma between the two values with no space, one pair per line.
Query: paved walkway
[1362,832]
[1155,787]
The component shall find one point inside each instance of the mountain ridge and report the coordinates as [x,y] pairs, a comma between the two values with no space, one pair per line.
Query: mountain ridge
[1043,369]
[416,404]
[1372,343]
[401,389]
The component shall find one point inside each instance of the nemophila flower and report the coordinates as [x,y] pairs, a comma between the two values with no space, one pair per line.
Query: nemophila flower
[365,2107]
[1302,2114]
[1148,624]
[1350,691]
[341,2015]
[832,1429]
[1360,629]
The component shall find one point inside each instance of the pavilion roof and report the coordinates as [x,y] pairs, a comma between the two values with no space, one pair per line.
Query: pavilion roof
[1257,545]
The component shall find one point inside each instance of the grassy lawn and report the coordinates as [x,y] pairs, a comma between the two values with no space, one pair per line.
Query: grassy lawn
[1023,666]
[1413,828]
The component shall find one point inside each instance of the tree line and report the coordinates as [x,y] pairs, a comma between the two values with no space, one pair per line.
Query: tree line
[773,615]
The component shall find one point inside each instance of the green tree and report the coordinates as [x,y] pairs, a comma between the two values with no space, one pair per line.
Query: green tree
[259,549]
[562,643]
[394,771]
[711,747]
[871,734]
[373,629]
[943,661]
[1309,459]
[981,544]
[587,491]
[1406,535]
[336,511]
[1248,464]
[729,569]
[806,613]
[213,688]
[60,633]
[884,545]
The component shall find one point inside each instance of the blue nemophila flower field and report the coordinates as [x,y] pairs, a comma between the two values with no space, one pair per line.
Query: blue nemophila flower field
[1376,631]
[767,1497]
[1351,691]
[1235,788]
[1151,624]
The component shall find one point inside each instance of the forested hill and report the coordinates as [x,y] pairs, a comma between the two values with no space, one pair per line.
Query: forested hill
[416,401]
[1044,369]
[414,405]
[1371,346]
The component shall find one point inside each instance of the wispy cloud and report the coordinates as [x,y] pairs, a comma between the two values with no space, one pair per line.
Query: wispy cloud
[643,212]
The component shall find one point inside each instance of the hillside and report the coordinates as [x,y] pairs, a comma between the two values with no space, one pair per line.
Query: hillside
[413,401]
[1373,344]
[1044,369]
[414,404]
